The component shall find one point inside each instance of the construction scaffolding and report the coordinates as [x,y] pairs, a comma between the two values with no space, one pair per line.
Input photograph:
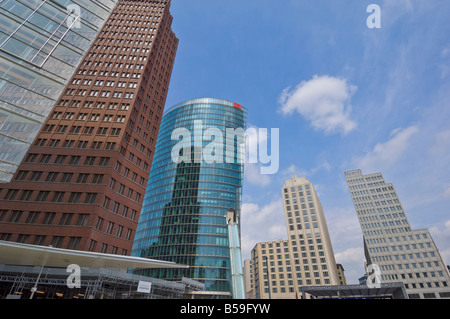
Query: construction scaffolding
[16,282]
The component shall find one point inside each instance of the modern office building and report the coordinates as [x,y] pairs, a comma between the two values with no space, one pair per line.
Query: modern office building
[82,182]
[399,253]
[306,258]
[193,183]
[274,274]
[42,42]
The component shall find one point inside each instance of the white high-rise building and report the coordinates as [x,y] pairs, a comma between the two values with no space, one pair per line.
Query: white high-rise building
[308,233]
[399,253]
[306,258]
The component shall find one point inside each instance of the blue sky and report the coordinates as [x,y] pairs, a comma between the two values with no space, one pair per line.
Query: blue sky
[343,96]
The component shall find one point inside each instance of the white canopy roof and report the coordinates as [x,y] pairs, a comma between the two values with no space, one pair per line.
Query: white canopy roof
[32,255]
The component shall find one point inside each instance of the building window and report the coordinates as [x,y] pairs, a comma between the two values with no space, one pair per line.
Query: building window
[58,197]
[104,248]
[11,194]
[57,241]
[48,218]
[82,220]
[15,216]
[74,242]
[51,177]
[42,196]
[99,223]
[39,240]
[66,177]
[90,198]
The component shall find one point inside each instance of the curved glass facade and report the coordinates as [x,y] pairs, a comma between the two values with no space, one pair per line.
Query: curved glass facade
[186,201]
[42,42]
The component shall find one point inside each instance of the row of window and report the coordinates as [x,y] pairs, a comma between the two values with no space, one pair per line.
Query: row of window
[413,266]
[60,159]
[88,130]
[357,196]
[397,239]
[124,75]
[297,188]
[91,117]
[131,6]
[386,231]
[48,196]
[65,219]
[291,289]
[55,241]
[145,18]
[307,274]
[384,224]
[378,204]
[430,254]
[46,218]
[424,276]
[312,259]
[63,242]
[104,62]
[384,216]
[303,206]
[97,93]
[56,115]
[289,274]
[372,190]
[90,160]
[134,35]
[366,179]
[72,197]
[412,246]
[74,144]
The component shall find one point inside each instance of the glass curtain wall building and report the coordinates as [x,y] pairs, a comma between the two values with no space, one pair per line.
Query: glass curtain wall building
[188,195]
[41,44]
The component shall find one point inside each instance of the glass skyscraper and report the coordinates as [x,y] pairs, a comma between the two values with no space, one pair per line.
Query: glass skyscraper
[41,44]
[190,190]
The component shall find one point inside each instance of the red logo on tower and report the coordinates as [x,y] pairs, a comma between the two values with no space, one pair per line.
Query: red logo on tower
[238,106]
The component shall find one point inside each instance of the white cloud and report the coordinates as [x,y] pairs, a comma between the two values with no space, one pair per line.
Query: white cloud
[261,224]
[350,256]
[352,259]
[347,240]
[441,146]
[294,170]
[343,223]
[447,192]
[445,51]
[444,66]
[252,173]
[254,214]
[441,236]
[324,101]
[388,153]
